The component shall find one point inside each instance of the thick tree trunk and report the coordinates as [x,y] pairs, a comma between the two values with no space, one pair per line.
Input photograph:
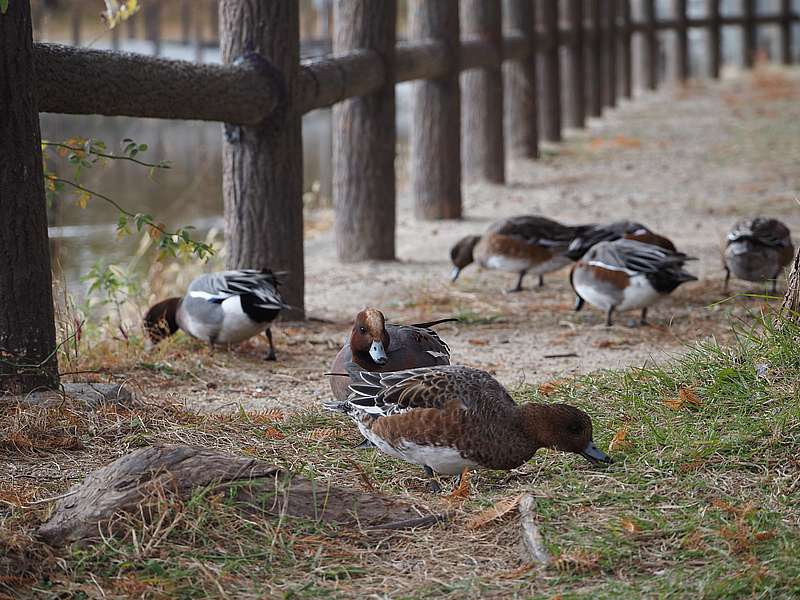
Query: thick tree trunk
[549,69]
[27,330]
[482,151]
[262,176]
[576,71]
[791,302]
[364,138]
[435,140]
[519,78]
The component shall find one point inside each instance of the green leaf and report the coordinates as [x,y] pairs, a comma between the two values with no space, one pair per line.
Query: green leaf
[3,6]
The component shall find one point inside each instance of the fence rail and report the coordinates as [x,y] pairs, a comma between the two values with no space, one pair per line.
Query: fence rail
[514,61]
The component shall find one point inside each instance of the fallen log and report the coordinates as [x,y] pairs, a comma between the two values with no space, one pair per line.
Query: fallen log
[134,483]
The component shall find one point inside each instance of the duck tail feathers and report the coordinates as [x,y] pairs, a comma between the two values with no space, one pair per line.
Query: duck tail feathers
[429,324]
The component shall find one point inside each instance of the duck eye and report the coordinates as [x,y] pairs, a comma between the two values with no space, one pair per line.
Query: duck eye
[363,329]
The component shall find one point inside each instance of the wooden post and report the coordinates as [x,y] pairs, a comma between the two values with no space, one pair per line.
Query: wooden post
[75,23]
[681,41]
[576,109]
[364,138]
[519,78]
[748,33]
[610,51]
[549,67]
[714,39]
[482,150]
[650,45]
[626,50]
[786,32]
[435,126]
[153,26]
[262,166]
[186,22]
[595,64]
[28,357]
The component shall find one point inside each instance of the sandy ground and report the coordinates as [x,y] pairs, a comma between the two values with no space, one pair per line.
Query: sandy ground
[688,162]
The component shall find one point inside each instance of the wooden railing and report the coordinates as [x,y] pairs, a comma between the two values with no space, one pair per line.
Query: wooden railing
[263,90]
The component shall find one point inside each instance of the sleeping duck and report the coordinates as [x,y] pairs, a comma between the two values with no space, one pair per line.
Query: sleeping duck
[221,308]
[758,250]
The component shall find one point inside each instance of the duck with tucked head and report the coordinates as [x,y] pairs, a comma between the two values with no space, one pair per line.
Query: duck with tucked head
[375,345]
[524,244]
[627,275]
[226,307]
[451,418]
[758,250]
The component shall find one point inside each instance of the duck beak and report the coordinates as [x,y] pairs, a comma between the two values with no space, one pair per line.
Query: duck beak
[455,273]
[377,353]
[594,455]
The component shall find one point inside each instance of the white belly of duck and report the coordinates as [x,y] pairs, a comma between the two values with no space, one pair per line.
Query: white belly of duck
[638,294]
[442,459]
[506,263]
[235,326]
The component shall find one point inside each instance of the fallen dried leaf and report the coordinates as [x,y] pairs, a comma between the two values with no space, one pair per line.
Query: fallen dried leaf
[323,433]
[619,441]
[689,396]
[461,493]
[493,513]
[629,526]
[273,434]
[549,387]
[515,573]
[476,342]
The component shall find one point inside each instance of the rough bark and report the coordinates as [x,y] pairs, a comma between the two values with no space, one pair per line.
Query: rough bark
[519,78]
[482,150]
[594,66]
[27,330]
[791,301]
[714,39]
[549,69]
[435,139]
[364,138]
[626,51]
[576,105]
[650,55]
[682,41]
[262,166]
[147,476]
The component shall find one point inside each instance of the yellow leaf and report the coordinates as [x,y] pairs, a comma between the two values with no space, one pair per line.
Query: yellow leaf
[495,512]
[618,441]
[630,526]
[154,232]
[83,199]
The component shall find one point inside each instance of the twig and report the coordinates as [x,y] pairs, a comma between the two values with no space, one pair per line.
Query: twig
[44,500]
[565,355]
[104,155]
[531,538]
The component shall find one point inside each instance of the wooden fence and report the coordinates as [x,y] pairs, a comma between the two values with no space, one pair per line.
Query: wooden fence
[509,53]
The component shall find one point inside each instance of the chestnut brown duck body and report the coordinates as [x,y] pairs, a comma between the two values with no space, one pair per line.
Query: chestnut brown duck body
[449,418]
[375,345]
[523,244]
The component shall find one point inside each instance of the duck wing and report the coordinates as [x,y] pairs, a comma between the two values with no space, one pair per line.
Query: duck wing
[635,257]
[768,232]
[394,392]
[262,285]
[595,234]
[535,229]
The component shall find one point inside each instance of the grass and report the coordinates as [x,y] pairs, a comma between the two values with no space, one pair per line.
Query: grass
[700,502]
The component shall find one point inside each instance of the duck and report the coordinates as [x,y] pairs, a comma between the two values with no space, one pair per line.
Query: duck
[629,230]
[449,419]
[757,250]
[225,307]
[627,275]
[374,345]
[522,244]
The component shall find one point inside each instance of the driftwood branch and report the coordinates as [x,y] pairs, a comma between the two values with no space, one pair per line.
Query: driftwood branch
[531,538]
[133,484]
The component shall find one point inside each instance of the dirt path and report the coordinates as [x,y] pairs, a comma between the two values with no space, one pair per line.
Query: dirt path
[687,162]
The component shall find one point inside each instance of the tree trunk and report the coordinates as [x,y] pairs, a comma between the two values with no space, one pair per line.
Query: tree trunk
[576,71]
[483,154]
[791,302]
[27,329]
[519,78]
[549,69]
[262,165]
[435,139]
[364,138]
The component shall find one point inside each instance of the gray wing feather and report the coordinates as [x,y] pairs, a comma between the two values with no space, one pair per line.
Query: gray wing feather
[224,284]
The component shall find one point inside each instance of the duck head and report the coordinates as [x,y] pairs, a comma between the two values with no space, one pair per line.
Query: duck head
[161,320]
[562,427]
[461,254]
[369,336]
